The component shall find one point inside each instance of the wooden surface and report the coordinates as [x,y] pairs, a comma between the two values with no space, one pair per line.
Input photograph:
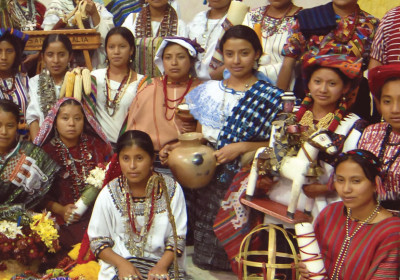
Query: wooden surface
[81,39]
[275,210]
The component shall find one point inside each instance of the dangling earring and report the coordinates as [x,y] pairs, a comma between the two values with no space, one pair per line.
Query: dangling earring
[344,98]
[382,119]
[69,65]
[255,65]
[130,60]
[107,61]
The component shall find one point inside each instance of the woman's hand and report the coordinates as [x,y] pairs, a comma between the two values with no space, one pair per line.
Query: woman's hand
[164,152]
[127,270]
[67,214]
[304,273]
[229,152]
[158,272]
[314,190]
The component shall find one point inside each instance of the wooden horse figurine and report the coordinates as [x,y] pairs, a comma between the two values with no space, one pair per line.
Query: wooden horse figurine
[296,168]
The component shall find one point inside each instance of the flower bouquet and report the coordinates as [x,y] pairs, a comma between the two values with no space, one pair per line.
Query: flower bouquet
[94,183]
[24,245]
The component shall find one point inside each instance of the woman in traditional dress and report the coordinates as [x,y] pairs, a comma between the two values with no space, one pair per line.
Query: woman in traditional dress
[383,139]
[358,238]
[156,20]
[206,28]
[26,171]
[13,84]
[154,107]
[74,139]
[44,88]
[216,105]
[138,224]
[275,21]
[117,84]
[329,79]
[98,16]
[25,15]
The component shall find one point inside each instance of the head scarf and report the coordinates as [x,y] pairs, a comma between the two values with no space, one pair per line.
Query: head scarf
[192,46]
[378,76]
[348,65]
[22,37]
[47,132]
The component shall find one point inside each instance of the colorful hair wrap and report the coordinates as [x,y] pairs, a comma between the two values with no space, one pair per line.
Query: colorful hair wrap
[378,76]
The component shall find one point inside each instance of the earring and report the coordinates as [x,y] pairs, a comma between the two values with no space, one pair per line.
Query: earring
[130,61]
[69,65]
[382,119]
[255,65]
[343,99]
[107,61]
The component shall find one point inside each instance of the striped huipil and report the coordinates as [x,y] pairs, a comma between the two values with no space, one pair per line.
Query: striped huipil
[374,251]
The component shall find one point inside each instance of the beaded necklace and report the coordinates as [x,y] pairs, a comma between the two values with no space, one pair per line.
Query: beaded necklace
[138,238]
[168,25]
[25,18]
[5,85]
[78,176]
[112,104]
[388,163]
[47,92]
[177,100]
[208,35]
[342,38]
[271,30]
[346,244]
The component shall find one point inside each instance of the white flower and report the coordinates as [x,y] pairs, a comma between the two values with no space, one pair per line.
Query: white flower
[96,177]
[10,229]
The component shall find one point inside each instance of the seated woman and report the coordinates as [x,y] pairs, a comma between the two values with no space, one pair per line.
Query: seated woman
[383,139]
[358,238]
[26,171]
[276,21]
[24,15]
[329,80]
[13,84]
[75,141]
[222,109]
[98,16]
[175,58]
[44,88]
[156,19]
[117,84]
[138,225]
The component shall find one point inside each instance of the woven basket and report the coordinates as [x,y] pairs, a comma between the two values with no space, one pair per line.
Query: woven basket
[14,267]
[269,266]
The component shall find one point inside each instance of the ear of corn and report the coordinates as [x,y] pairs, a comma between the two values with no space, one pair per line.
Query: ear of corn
[64,85]
[78,87]
[86,80]
[70,77]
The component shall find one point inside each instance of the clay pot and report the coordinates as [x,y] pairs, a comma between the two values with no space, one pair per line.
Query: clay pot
[192,163]
[183,112]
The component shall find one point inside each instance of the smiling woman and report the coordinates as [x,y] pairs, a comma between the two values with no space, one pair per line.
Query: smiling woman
[44,88]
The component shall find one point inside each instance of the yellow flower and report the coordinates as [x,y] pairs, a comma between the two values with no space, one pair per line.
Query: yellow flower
[44,227]
[88,271]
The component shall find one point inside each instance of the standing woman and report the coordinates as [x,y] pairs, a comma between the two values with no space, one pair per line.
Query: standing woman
[153,109]
[13,84]
[383,139]
[74,139]
[118,83]
[276,21]
[44,89]
[138,226]
[235,117]
[156,20]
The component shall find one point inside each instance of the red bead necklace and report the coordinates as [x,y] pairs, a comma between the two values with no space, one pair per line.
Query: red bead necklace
[179,99]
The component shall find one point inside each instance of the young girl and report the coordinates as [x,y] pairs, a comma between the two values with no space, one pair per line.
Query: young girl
[117,84]
[358,238]
[138,225]
[44,88]
[153,109]
[74,139]
[13,84]
[383,139]
[222,108]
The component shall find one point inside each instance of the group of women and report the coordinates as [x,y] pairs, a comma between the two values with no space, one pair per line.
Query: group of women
[137,227]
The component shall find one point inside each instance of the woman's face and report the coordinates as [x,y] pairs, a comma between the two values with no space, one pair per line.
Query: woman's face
[56,58]
[390,104]
[157,3]
[69,123]
[118,51]
[136,165]
[280,4]
[353,187]
[239,57]
[177,64]
[219,4]
[326,87]
[8,131]
[7,56]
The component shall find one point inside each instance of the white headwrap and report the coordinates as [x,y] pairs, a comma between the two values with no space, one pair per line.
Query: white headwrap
[177,40]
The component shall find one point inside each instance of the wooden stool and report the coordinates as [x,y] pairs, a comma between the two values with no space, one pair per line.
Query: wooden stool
[81,39]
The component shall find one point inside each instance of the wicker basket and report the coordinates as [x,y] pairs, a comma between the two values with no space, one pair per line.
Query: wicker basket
[269,266]
[14,267]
